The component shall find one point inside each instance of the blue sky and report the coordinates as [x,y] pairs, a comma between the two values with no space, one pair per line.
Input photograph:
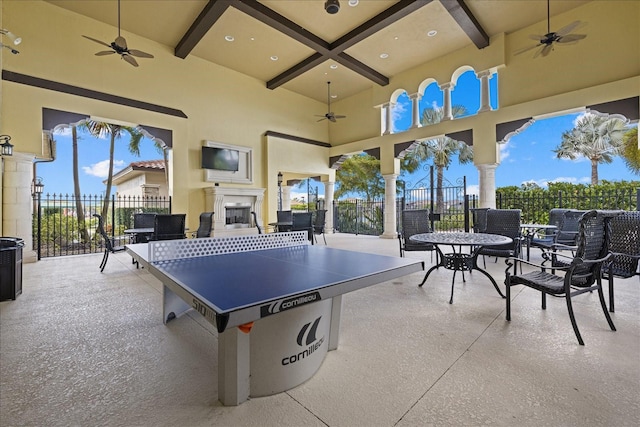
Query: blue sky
[526,157]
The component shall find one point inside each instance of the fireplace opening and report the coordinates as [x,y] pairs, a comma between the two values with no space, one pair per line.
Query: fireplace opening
[237,216]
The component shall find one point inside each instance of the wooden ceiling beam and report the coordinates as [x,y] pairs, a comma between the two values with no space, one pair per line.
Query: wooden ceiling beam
[203,23]
[465,19]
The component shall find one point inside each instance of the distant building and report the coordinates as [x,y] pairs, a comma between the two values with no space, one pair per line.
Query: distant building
[142,179]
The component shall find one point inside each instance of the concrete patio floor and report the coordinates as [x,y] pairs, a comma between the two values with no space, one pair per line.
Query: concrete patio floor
[84,348]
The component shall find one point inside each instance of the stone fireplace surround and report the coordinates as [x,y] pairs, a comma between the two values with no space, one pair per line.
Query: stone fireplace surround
[220,199]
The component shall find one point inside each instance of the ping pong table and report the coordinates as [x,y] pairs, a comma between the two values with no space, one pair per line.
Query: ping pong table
[274,299]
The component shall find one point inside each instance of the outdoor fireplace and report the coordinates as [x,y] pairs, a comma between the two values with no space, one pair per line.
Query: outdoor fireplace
[232,209]
[237,215]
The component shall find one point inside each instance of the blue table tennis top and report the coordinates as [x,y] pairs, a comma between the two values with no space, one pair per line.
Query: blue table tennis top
[235,281]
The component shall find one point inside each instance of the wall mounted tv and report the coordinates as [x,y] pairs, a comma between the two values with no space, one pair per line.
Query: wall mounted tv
[222,159]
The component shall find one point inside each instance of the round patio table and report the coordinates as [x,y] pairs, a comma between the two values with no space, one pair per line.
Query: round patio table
[459,261]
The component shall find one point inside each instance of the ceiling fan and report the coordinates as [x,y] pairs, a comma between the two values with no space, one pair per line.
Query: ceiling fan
[119,46]
[561,36]
[329,116]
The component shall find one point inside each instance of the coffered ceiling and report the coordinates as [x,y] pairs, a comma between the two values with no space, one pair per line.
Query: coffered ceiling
[297,45]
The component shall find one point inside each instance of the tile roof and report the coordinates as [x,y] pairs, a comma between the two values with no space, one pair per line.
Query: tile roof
[148,164]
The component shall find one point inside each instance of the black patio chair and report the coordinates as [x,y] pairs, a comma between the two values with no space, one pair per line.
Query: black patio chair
[624,245]
[318,224]
[556,217]
[284,216]
[255,221]
[479,219]
[169,227]
[504,222]
[303,221]
[143,220]
[581,273]
[205,225]
[414,222]
[111,245]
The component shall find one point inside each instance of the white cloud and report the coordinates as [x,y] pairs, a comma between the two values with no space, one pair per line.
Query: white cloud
[101,169]
[473,190]
[504,151]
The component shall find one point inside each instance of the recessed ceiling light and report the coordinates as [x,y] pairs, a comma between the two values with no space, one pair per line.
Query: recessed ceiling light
[396,38]
[252,38]
[432,33]
[384,55]
[229,38]
[274,58]
[353,3]
[334,96]
[333,66]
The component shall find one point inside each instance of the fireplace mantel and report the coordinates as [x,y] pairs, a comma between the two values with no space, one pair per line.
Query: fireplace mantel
[218,199]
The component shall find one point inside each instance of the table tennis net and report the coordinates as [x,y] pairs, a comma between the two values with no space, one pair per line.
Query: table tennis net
[162,250]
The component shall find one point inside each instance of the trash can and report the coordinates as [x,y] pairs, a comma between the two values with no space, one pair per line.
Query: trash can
[10,267]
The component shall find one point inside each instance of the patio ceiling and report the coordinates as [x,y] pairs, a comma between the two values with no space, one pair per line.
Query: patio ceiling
[311,45]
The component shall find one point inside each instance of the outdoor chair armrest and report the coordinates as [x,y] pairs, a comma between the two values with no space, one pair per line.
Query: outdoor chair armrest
[515,260]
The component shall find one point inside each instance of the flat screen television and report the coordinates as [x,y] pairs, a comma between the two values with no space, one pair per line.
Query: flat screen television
[222,159]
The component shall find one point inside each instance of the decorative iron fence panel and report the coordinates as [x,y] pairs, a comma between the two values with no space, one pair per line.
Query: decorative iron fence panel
[358,217]
[57,230]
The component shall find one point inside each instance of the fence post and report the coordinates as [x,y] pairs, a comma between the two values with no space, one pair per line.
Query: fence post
[113,215]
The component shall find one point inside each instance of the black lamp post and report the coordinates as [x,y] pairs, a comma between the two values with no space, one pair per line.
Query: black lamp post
[6,148]
[279,191]
[37,187]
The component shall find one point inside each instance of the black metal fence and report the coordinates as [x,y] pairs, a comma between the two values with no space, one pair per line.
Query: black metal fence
[59,230]
[367,217]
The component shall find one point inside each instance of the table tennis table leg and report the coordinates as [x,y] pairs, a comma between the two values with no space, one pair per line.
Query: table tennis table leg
[234,357]
[172,305]
[334,329]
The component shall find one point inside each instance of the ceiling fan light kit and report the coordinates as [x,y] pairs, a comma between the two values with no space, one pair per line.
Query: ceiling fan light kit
[547,41]
[119,46]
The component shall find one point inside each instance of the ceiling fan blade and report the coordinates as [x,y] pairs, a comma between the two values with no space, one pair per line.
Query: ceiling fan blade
[340,117]
[545,50]
[139,53]
[536,37]
[324,118]
[571,38]
[129,59]
[120,41]
[105,52]
[97,41]
[569,28]
[525,49]
[333,119]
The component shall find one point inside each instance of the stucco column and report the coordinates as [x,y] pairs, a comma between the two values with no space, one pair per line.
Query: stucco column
[286,197]
[329,187]
[485,99]
[446,89]
[487,183]
[388,125]
[17,203]
[390,231]
[415,109]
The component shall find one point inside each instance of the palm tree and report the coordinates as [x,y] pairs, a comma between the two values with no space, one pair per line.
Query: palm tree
[594,137]
[100,129]
[84,234]
[440,149]
[631,151]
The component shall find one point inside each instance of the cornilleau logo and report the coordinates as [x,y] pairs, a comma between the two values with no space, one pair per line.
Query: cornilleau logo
[306,338]
[288,304]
